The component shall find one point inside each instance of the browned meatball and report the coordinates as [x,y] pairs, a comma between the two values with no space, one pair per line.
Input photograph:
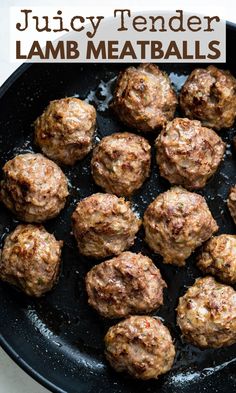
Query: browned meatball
[65,130]
[141,346]
[104,225]
[231,202]
[210,96]
[34,188]
[127,284]
[143,98]
[187,153]
[30,259]
[121,163]
[218,258]
[177,222]
[206,314]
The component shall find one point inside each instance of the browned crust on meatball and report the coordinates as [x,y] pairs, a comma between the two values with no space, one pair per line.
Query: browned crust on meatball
[218,257]
[177,222]
[34,188]
[121,163]
[143,98]
[30,259]
[187,153]
[206,314]
[104,225]
[127,284]
[231,202]
[141,346]
[210,96]
[65,130]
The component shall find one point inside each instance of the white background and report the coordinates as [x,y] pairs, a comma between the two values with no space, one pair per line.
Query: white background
[12,378]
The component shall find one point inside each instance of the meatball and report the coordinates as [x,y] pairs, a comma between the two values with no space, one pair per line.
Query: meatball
[218,257]
[143,98]
[231,202]
[206,314]
[141,346]
[30,259]
[104,225]
[210,96]
[127,284]
[187,153]
[177,222]
[65,130]
[34,188]
[121,163]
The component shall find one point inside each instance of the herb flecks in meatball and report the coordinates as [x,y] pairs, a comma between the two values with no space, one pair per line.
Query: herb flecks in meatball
[218,257]
[143,98]
[177,222]
[121,163]
[65,130]
[206,314]
[209,95]
[141,346]
[30,259]
[127,284]
[104,225]
[34,188]
[187,153]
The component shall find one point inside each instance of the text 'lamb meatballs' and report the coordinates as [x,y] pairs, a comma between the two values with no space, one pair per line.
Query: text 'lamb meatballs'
[209,95]
[187,153]
[177,222]
[30,259]
[231,202]
[34,188]
[206,314]
[141,346]
[218,258]
[121,163]
[65,130]
[127,284]
[104,225]
[143,98]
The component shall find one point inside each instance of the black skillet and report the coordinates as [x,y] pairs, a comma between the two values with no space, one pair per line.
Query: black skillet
[58,339]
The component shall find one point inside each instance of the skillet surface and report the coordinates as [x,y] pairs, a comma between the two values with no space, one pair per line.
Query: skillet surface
[58,339]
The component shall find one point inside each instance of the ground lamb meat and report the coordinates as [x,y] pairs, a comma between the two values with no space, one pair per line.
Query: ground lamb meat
[231,202]
[206,314]
[127,284]
[177,222]
[30,259]
[104,225]
[121,163]
[65,130]
[209,95]
[143,98]
[187,153]
[218,257]
[33,188]
[141,346]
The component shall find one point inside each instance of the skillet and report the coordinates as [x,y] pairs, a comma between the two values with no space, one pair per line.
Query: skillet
[58,339]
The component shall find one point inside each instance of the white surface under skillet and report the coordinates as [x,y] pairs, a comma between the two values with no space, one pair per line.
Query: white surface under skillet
[15,380]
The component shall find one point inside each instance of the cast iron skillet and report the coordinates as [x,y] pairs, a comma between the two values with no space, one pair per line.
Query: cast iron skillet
[58,339]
